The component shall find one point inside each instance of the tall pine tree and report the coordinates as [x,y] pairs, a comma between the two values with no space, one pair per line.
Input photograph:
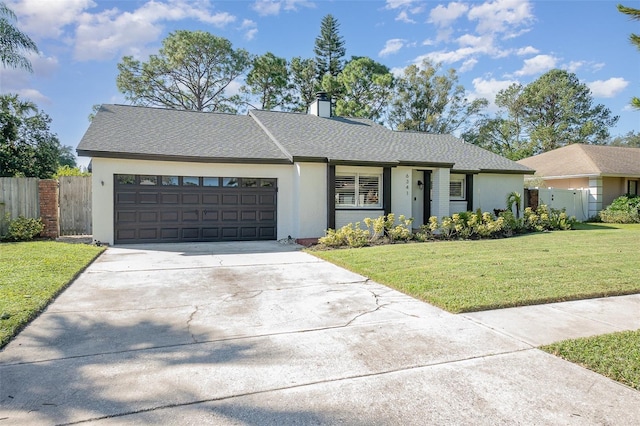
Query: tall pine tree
[634,38]
[329,48]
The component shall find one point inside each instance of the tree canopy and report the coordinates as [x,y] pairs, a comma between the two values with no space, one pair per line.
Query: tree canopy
[27,147]
[427,100]
[191,71]
[329,48]
[553,111]
[634,39]
[269,80]
[14,44]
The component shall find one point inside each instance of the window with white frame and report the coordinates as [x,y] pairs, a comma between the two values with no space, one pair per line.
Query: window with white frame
[457,188]
[358,190]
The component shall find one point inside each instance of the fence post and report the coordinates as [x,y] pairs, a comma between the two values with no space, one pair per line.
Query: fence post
[48,191]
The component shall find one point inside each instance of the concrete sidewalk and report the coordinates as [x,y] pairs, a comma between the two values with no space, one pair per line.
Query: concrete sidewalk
[260,333]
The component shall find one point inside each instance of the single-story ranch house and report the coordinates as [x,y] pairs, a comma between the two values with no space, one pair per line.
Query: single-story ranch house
[607,172]
[165,175]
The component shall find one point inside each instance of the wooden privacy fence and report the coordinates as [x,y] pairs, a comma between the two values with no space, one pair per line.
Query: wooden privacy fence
[64,206]
[18,197]
[75,205]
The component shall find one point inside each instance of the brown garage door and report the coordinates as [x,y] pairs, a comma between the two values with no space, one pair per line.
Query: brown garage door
[149,208]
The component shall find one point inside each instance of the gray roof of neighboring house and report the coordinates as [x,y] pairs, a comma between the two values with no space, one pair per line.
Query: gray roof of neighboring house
[268,136]
[582,160]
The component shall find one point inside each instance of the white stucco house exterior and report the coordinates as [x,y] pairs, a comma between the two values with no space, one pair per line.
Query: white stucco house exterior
[163,175]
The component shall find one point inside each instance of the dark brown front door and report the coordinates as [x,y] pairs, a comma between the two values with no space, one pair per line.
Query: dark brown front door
[150,208]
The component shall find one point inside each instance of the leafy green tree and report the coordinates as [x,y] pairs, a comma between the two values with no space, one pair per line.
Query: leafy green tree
[269,81]
[631,140]
[67,158]
[503,134]
[27,147]
[634,38]
[14,44]
[191,71]
[329,48]
[428,101]
[303,83]
[558,110]
[366,89]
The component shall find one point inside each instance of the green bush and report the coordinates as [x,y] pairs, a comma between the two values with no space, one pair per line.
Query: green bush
[464,225]
[22,228]
[384,227]
[349,235]
[624,209]
[547,219]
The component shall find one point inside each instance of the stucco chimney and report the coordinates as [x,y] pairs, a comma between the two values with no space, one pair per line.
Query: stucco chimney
[321,107]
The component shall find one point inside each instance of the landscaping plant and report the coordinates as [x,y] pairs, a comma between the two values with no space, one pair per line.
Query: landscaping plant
[22,228]
[624,209]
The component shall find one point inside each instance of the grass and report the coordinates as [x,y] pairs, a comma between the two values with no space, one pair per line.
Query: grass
[594,260]
[616,355]
[34,273]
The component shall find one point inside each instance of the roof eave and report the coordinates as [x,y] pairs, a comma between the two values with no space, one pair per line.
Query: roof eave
[180,158]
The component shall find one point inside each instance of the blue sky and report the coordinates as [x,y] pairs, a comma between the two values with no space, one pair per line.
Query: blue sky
[491,44]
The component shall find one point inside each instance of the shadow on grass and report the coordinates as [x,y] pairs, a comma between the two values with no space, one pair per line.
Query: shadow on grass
[593,226]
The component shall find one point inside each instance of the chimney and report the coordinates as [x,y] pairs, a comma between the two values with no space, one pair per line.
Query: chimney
[321,107]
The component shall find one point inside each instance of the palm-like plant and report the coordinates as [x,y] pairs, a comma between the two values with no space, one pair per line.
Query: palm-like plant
[13,42]
[514,198]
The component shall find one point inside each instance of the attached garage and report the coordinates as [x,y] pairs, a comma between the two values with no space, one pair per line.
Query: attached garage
[159,208]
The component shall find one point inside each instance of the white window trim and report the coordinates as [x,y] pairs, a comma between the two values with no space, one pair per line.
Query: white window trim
[359,198]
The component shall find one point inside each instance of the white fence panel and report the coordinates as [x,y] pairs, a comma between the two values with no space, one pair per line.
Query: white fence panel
[575,201]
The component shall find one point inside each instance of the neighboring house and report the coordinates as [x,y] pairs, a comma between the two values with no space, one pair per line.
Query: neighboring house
[163,175]
[607,172]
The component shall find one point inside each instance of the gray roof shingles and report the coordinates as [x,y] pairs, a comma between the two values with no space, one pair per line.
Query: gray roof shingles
[128,131]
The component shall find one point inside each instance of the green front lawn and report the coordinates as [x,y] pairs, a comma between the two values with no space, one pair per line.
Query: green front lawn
[32,274]
[464,276]
[616,355]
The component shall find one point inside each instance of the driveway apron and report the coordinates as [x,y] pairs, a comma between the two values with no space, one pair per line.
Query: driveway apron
[262,333]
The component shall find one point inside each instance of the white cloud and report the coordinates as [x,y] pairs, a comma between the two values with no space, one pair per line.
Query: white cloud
[35,96]
[395,4]
[445,15]
[574,66]
[468,65]
[536,65]
[392,46]
[404,17]
[500,16]
[273,7]
[250,28]
[18,81]
[488,89]
[111,32]
[42,19]
[529,50]
[267,7]
[607,88]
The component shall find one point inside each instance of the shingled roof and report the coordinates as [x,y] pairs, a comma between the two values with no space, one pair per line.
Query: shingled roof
[586,160]
[275,137]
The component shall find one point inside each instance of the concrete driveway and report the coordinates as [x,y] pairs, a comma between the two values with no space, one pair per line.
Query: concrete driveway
[261,333]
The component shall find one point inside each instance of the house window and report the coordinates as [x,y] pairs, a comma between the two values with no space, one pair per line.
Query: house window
[456,189]
[358,190]
[632,187]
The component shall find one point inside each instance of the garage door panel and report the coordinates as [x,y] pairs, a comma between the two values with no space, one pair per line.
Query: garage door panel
[169,233]
[190,198]
[148,216]
[229,215]
[169,216]
[149,198]
[148,233]
[248,215]
[268,199]
[168,198]
[190,215]
[126,198]
[181,212]
[212,199]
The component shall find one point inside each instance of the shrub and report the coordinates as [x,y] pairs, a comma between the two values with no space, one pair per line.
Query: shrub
[547,219]
[464,225]
[22,228]
[624,209]
[349,235]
